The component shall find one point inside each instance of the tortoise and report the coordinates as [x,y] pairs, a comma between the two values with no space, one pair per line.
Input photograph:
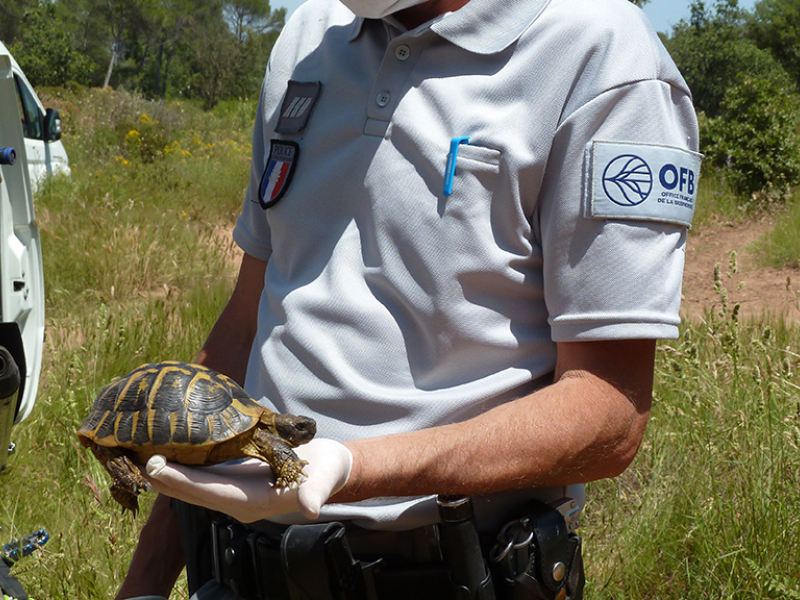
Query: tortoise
[192,415]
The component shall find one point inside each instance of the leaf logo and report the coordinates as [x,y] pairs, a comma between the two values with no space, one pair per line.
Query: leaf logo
[627,180]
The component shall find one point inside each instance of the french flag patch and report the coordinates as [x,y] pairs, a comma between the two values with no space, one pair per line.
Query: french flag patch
[278,172]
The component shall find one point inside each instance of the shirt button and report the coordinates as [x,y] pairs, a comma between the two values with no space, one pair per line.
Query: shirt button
[383,99]
[402,52]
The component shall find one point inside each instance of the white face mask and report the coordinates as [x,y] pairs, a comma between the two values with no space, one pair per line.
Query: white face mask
[377,9]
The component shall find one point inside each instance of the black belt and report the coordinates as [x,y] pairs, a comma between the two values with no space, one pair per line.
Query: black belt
[319,561]
[535,556]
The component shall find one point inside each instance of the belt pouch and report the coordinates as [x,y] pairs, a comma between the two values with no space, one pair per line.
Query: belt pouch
[234,558]
[269,573]
[319,565]
[553,553]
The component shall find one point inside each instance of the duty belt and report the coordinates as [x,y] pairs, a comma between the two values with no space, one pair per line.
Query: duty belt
[536,555]
[317,561]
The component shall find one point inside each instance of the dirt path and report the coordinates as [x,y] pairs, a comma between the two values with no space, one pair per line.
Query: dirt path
[759,290]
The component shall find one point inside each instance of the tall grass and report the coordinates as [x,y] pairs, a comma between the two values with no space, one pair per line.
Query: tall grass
[716,200]
[710,507]
[138,266]
[780,247]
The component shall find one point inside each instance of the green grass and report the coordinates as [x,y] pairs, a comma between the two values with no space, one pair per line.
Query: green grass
[780,247]
[715,199]
[710,508]
[137,270]
[137,267]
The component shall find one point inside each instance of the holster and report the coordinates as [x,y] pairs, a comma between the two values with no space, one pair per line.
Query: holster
[552,565]
[309,562]
[321,549]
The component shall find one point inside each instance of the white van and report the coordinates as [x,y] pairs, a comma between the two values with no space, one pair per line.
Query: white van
[21,276]
[41,128]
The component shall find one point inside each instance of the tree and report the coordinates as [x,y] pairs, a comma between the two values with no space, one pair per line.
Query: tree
[11,14]
[85,21]
[248,17]
[747,102]
[44,50]
[711,50]
[170,21]
[121,16]
[230,61]
[775,26]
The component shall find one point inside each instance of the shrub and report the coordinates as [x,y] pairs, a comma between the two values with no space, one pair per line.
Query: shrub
[755,140]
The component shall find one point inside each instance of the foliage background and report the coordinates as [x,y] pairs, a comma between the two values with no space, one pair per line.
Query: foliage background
[158,48]
[743,71]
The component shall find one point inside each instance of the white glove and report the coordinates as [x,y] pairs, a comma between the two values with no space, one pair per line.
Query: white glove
[245,490]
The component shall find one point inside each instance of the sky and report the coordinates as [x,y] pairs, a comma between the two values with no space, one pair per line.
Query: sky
[662,13]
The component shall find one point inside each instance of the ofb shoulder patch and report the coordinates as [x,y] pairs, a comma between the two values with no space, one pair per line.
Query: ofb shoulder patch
[279,171]
[643,182]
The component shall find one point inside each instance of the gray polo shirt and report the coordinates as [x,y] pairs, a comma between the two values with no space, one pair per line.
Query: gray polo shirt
[392,305]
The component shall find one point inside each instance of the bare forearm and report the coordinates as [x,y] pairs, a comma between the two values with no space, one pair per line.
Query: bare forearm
[158,559]
[580,429]
[227,348]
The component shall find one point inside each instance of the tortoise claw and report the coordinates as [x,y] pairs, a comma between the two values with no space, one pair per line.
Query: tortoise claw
[290,474]
[126,498]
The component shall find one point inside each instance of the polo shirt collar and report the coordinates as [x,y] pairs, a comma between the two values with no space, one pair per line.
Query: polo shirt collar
[482,26]
[489,26]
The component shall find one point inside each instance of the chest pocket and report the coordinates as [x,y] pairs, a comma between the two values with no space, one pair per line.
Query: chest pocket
[476,177]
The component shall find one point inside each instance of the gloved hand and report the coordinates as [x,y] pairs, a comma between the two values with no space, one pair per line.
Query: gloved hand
[244,490]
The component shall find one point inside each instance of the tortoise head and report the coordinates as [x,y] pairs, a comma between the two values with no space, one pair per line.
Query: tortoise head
[294,429]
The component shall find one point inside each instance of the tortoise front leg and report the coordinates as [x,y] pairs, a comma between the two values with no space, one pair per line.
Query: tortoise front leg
[127,481]
[285,464]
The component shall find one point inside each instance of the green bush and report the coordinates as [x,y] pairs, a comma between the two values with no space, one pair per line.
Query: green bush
[754,141]
[711,52]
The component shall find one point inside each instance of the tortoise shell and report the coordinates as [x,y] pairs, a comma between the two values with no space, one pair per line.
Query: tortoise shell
[189,414]
[176,409]
[171,406]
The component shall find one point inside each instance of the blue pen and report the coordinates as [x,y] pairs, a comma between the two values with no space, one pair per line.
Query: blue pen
[450,170]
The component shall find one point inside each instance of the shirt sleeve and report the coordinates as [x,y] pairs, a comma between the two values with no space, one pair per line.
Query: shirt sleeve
[612,278]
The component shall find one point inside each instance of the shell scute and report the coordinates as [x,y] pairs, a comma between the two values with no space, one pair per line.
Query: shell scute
[123,430]
[141,435]
[159,426]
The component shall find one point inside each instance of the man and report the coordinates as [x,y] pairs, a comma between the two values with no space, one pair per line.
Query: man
[463,235]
